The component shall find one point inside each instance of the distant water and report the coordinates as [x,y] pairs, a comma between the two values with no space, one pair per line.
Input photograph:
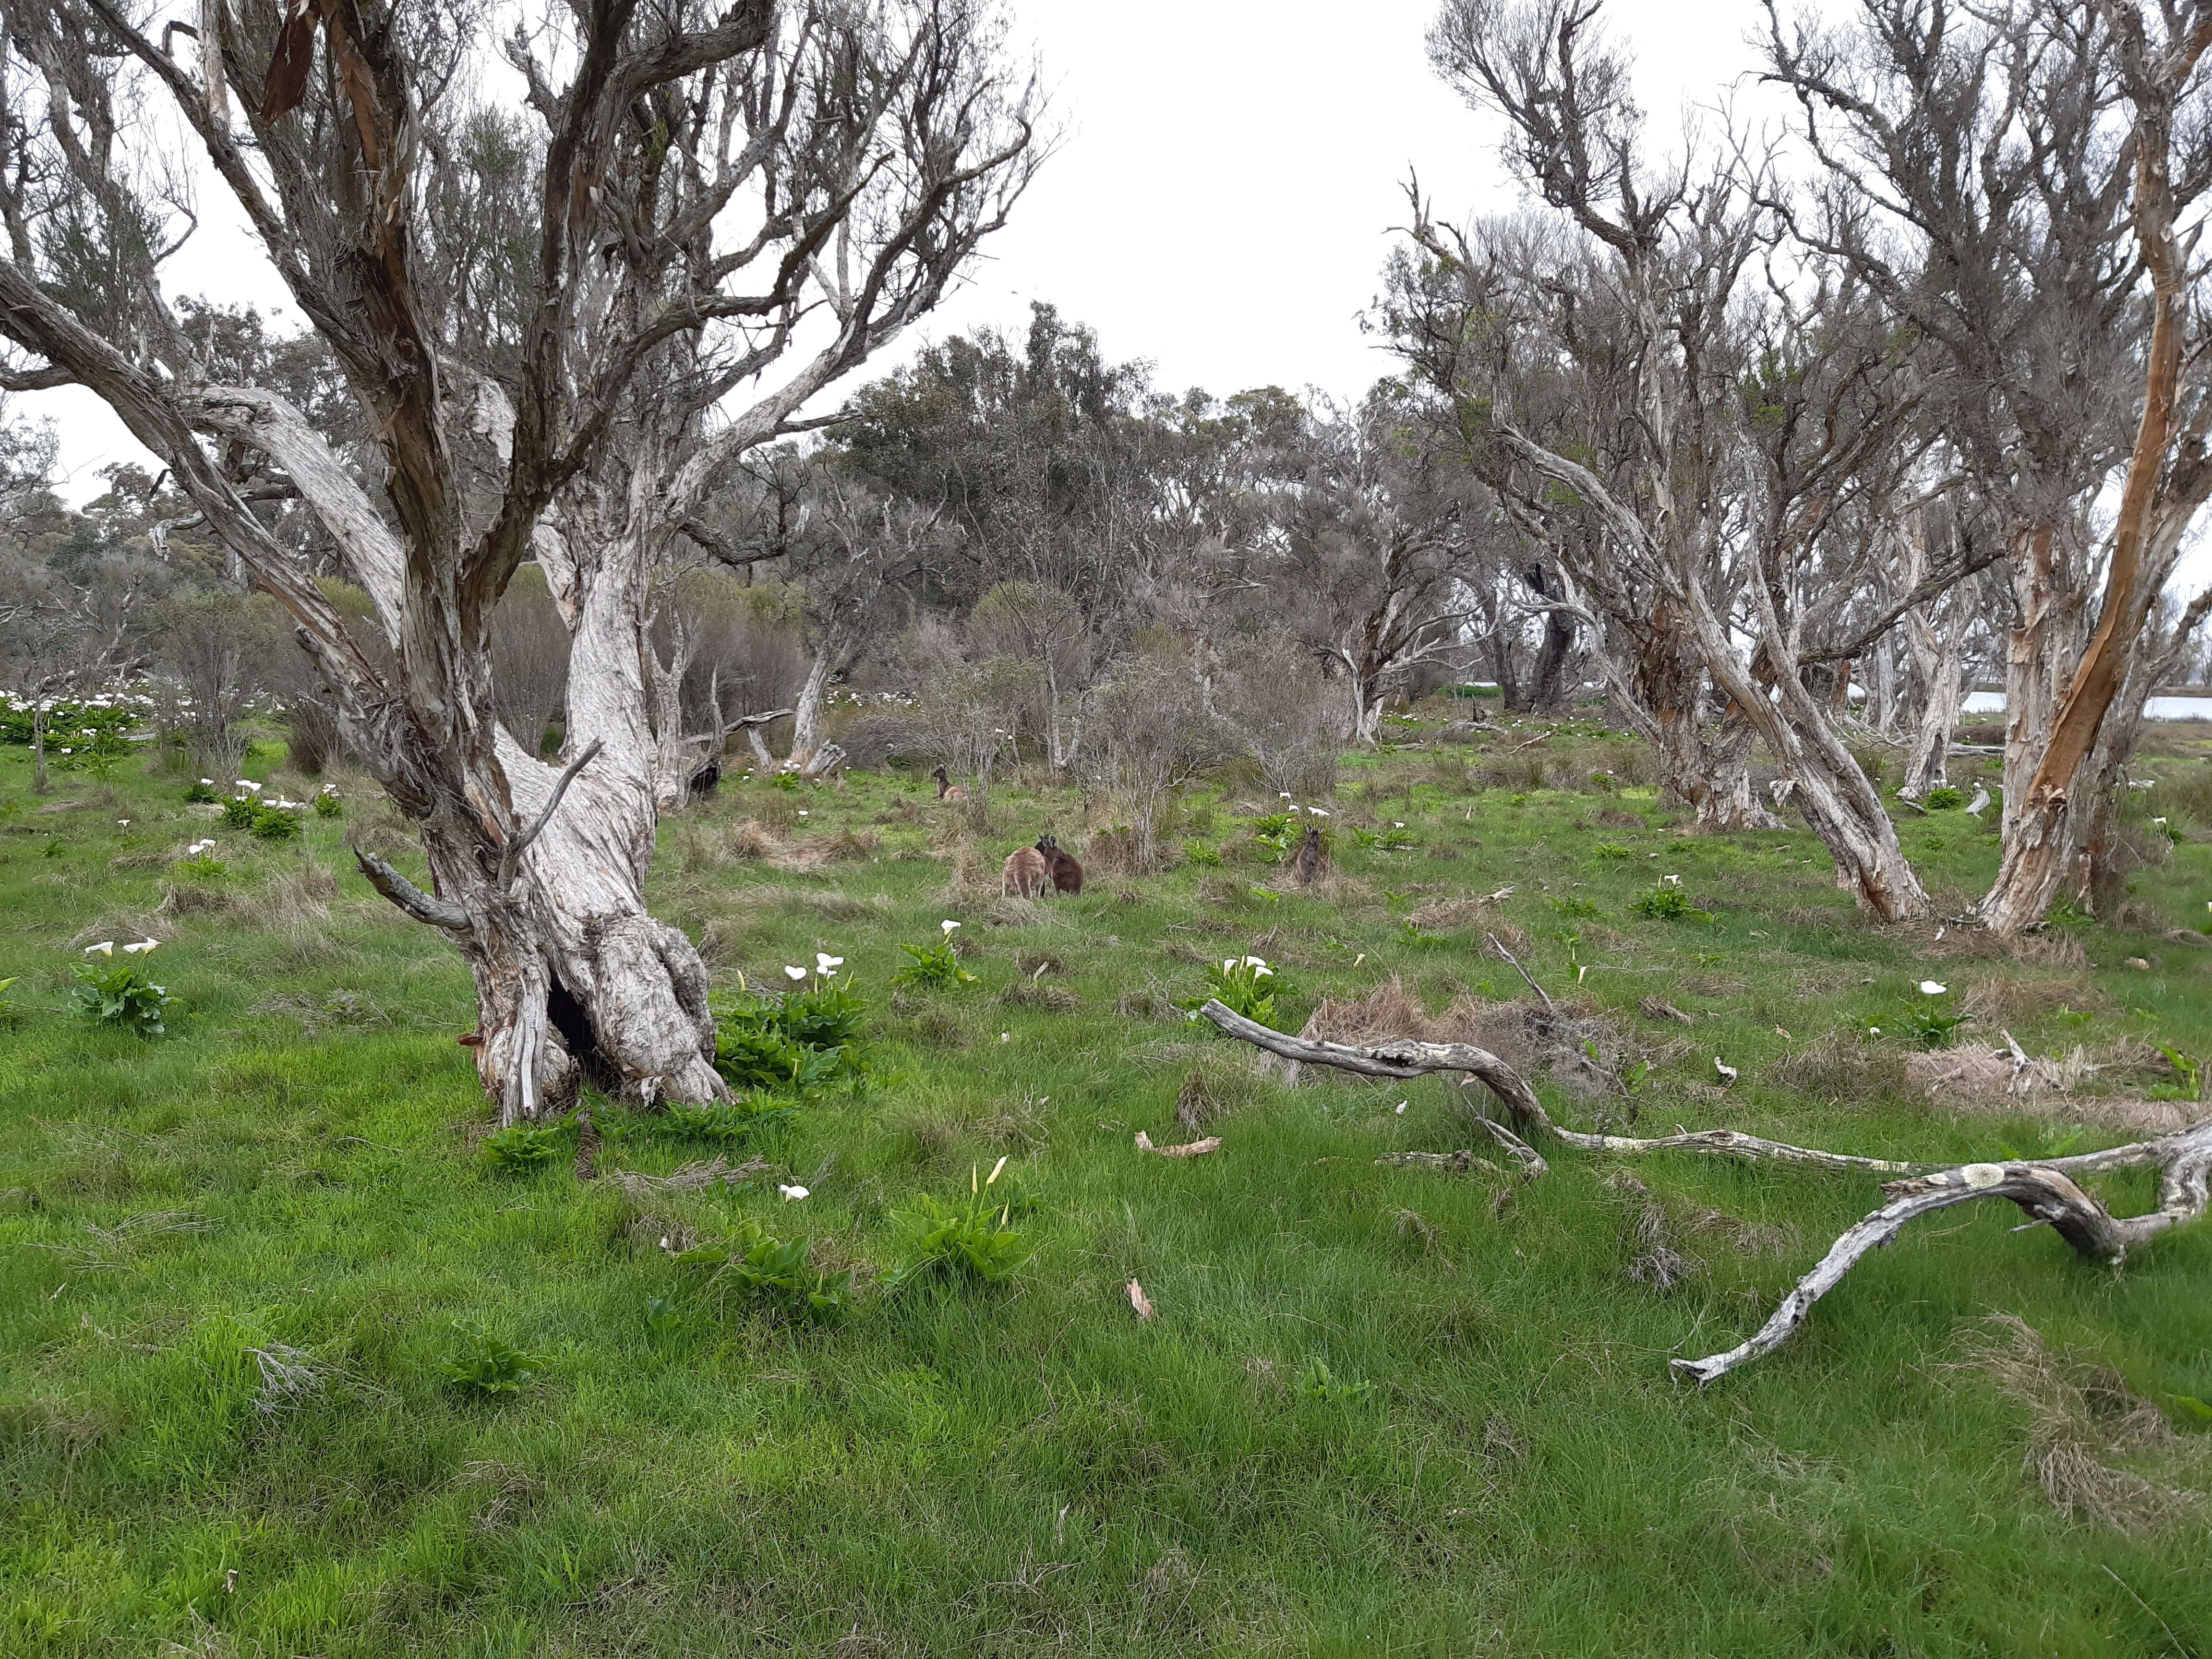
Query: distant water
[2159,708]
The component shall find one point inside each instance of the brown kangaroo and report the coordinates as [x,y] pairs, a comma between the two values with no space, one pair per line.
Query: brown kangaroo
[946,789]
[1310,858]
[1066,873]
[1025,875]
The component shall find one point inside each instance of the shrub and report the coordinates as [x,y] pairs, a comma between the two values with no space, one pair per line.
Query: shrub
[1944,797]
[933,965]
[119,993]
[1669,904]
[731,1120]
[1610,850]
[1197,851]
[487,1367]
[971,1243]
[1244,986]
[753,1266]
[273,824]
[327,804]
[522,1149]
[801,1040]
[201,793]
[237,812]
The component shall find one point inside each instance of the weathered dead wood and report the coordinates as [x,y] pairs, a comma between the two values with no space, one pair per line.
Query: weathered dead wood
[2047,1190]
[1408,1059]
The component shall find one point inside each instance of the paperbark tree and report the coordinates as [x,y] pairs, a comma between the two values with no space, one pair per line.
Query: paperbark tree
[1380,529]
[1985,166]
[872,146]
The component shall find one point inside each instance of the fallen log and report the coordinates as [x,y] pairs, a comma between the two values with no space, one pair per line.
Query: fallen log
[2047,1190]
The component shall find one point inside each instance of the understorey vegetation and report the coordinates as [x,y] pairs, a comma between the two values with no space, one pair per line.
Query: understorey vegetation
[304,1352]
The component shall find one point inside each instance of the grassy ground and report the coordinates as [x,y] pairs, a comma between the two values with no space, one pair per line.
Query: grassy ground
[1380,1410]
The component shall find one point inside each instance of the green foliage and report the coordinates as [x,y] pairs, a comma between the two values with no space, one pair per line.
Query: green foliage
[201,793]
[1317,1382]
[786,781]
[1197,851]
[1277,832]
[7,1009]
[205,867]
[486,1367]
[237,812]
[274,824]
[754,1266]
[1610,850]
[118,993]
[1667,904]
[1944,797]
[1244,986]
[1569,906]
[67,721]
[328,805]
[1396,839]
[729,1122]
[1932,1021]
[800,1040]
[2189,1070]
[962,1244]
[523,1149]
[933,965]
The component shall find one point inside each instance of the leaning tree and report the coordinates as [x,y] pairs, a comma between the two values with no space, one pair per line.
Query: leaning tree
[729,208]
[2023,183]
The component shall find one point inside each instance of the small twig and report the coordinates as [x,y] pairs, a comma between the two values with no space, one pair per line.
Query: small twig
[513,854]
[1519,969]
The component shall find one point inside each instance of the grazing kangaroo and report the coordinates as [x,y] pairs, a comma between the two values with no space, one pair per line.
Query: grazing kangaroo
[948,790]
[1066,873]
[1026,874]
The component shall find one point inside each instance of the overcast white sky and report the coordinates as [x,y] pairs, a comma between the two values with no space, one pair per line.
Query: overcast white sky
[1221,203]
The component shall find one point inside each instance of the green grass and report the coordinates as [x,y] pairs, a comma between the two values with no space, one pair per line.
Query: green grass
[1380,1410]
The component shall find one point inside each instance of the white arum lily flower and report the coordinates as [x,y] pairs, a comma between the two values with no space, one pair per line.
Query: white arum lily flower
[791,1194]
[1672,881]
[248,784]
[997,1169]
[1286,795]
[802,811]
[69,751]
[1728,1072]
[1928,988]
[106,948]
[1318,812]
[141,946]
[790,972]
[207,783]
[124,823]
[946,926]
[1399,1110]
[1005,1037]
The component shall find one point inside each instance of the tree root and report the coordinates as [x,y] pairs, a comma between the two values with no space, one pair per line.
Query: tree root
[2046,1189]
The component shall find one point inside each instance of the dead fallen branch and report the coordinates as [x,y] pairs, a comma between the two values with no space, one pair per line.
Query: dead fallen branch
[1190,1149]
[1404,1059]
[2047,1190]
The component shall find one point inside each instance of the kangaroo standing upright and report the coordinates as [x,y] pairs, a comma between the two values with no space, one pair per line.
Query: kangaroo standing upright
[1308,863]
[1067,874]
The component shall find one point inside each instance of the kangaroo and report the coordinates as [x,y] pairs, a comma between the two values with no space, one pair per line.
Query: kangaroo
[1308,863]
[1066,873]
[948,790]
[1026,874]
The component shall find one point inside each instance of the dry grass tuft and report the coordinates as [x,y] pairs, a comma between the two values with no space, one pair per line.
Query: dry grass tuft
[2007,999]
[1648,1235]
[1839,1066]
[2080,1416]
[1025,994]
[1457,914]
[843,847]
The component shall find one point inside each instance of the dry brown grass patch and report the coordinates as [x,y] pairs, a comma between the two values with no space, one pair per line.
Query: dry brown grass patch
[2080,1416]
